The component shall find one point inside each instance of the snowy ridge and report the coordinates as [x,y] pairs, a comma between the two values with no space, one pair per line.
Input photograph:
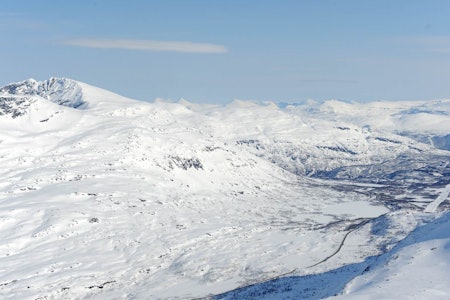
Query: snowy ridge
[61,91]
[424,121]
[188,200]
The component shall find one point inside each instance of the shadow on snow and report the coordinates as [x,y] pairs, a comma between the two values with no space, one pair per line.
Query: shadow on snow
[331,283]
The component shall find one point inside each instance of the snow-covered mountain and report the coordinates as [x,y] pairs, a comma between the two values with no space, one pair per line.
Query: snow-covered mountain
[61,91]
[107,197]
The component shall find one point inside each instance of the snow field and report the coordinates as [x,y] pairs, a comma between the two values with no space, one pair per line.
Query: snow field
[125,199]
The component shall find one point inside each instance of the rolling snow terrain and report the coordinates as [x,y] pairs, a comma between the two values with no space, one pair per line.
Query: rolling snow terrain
[104,197]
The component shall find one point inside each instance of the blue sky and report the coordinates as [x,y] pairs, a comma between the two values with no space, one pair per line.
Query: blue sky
[217,51]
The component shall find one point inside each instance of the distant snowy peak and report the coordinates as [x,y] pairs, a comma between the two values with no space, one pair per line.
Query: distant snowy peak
[67,92]
[26,87]
[61,91]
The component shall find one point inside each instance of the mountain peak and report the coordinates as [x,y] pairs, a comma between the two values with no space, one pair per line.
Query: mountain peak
[20,88]
[62,91]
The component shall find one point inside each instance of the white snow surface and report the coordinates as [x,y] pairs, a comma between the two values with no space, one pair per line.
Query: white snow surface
[104,197]
[418,268]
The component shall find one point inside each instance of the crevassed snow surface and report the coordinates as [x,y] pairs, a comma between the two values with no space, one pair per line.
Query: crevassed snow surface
[105,197]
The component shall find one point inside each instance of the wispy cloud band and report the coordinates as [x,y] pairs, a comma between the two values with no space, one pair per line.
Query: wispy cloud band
[147,45]
[436,44]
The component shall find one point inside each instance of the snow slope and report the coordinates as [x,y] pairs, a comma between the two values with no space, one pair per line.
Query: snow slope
[107,197]
[416,269]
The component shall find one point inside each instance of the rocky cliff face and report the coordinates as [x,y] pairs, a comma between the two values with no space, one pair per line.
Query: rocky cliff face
[61,91]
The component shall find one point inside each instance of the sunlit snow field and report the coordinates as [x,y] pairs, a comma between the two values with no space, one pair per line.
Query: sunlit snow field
[105,197]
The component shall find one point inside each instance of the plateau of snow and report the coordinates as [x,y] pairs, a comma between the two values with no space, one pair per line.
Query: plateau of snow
[104,197]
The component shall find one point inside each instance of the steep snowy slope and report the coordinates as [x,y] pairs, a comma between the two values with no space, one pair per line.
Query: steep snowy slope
[417,268]
[106,197]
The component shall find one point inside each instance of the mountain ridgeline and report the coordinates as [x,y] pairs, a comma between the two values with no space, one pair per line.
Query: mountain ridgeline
[329,143]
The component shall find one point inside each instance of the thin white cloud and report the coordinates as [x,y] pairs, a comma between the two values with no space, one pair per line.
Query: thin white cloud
[148,45]
[431,40]
[441,50]
[437,44]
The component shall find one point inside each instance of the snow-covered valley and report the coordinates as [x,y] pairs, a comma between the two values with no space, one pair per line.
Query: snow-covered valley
[104,197]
